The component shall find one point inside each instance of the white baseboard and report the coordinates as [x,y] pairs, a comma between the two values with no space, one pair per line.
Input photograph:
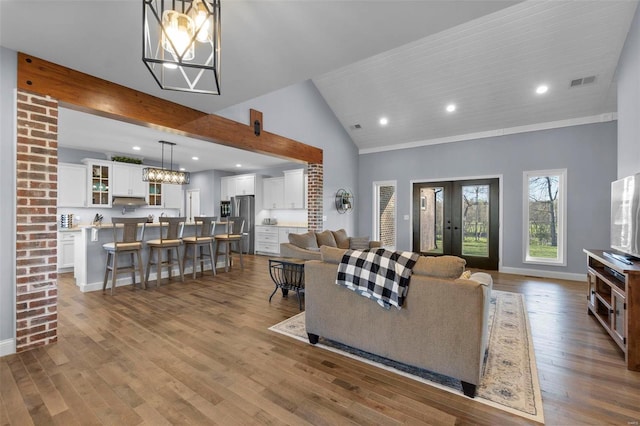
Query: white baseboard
[545,274]
[7,347]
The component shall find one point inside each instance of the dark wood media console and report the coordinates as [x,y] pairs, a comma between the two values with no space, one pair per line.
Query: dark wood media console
[614,299]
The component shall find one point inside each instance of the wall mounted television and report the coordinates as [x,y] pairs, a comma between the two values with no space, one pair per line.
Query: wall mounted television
[625,218]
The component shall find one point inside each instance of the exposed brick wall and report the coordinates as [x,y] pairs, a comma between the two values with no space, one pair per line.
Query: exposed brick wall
[36,221]
[314,196]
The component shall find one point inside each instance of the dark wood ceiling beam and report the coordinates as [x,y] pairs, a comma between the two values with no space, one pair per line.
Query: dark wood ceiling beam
[91,94]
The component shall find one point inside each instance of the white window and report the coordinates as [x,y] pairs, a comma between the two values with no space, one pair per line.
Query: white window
[545,201]
[384,213]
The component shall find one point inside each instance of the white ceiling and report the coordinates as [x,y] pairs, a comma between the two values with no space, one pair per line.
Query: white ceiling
[402,59]
[88,132]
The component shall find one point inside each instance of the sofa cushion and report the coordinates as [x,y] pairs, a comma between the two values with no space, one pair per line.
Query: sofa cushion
[306,240]
[342,239]
[332,254]
[359,243]
[440,266]
[325,238]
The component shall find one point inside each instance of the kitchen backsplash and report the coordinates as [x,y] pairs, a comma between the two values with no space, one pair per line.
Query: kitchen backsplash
[84,216]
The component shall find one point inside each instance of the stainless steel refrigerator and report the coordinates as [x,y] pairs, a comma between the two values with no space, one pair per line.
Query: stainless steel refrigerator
[244,206]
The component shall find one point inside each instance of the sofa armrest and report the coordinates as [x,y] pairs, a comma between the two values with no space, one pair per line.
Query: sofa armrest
[375,244]
[483,278]
[291,250]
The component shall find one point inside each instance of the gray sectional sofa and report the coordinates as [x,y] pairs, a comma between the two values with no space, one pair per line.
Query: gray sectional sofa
[442,327]
[307,246]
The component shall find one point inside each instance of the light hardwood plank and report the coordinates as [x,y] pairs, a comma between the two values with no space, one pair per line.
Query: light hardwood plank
[200,352]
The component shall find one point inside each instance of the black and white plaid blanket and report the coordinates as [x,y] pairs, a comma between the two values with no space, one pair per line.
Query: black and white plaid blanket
[379,274]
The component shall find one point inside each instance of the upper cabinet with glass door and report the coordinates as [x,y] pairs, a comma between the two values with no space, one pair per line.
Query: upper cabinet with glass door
[99,187]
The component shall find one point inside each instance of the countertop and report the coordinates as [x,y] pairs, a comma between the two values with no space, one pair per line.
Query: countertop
[110,225]
[285,225]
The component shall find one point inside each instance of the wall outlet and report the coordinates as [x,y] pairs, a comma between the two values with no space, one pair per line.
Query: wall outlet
[324,218]
[406,217]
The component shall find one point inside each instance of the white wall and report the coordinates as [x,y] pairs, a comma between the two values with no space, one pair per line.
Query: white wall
[299,112]
[8,79]
[588,152]
[629,102]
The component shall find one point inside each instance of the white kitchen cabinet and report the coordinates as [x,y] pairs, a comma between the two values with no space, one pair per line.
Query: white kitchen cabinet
[173,196]
[245,185]
[72,185]
[227,188]
[66,250]
[273,193]
[99,183]
[294,189]
[267,240]
[230,186]
[127,180]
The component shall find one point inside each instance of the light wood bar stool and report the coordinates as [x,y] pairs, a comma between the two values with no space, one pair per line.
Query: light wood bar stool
[171,229]
[128,234]
[235,227]
[205,230]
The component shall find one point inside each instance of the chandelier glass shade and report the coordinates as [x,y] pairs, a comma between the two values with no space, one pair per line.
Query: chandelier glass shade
[181,44]
[162,175]
[150,174]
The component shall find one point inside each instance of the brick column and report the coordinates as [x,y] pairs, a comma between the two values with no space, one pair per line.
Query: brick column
[36,221]
[314,196]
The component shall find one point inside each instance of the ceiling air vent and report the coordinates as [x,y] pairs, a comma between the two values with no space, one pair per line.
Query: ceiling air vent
[582,81]
[356,127]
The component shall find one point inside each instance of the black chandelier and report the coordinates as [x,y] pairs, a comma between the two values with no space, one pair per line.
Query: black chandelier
[162,175]
[181,44]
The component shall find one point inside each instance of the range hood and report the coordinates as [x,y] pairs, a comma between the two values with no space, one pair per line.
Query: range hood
[129,202]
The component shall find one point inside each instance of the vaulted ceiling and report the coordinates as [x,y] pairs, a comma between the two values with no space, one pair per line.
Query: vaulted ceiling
[404,60]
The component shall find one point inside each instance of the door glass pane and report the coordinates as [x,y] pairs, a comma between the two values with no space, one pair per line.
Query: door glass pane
[387,215]
[431,219]
[475,220]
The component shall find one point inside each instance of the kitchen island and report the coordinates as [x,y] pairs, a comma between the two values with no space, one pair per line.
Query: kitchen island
[90,258]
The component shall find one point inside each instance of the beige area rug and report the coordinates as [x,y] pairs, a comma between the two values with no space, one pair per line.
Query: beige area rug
[510,381]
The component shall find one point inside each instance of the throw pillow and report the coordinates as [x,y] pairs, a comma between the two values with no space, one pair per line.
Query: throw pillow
[325,238]
[342,239]
[359,243]
[466,275]
[440,266]
[306,240]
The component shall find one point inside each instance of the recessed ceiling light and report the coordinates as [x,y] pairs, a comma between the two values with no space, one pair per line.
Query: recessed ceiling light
[384,121]
[136,148]
[542,89]
[451,107]
[195,158]
[238,165]
[182,169]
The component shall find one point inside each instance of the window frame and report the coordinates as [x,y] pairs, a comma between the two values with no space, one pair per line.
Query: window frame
[561,225]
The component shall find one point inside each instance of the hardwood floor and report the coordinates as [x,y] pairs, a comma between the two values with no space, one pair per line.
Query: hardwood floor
[200,353]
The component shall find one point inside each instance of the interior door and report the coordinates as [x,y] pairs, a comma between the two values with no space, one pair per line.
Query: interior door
[459,218]
[193,204]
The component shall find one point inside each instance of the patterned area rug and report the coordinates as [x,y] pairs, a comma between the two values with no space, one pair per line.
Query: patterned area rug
[510,380]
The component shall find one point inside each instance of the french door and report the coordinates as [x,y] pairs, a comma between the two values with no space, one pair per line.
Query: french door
[458,218]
